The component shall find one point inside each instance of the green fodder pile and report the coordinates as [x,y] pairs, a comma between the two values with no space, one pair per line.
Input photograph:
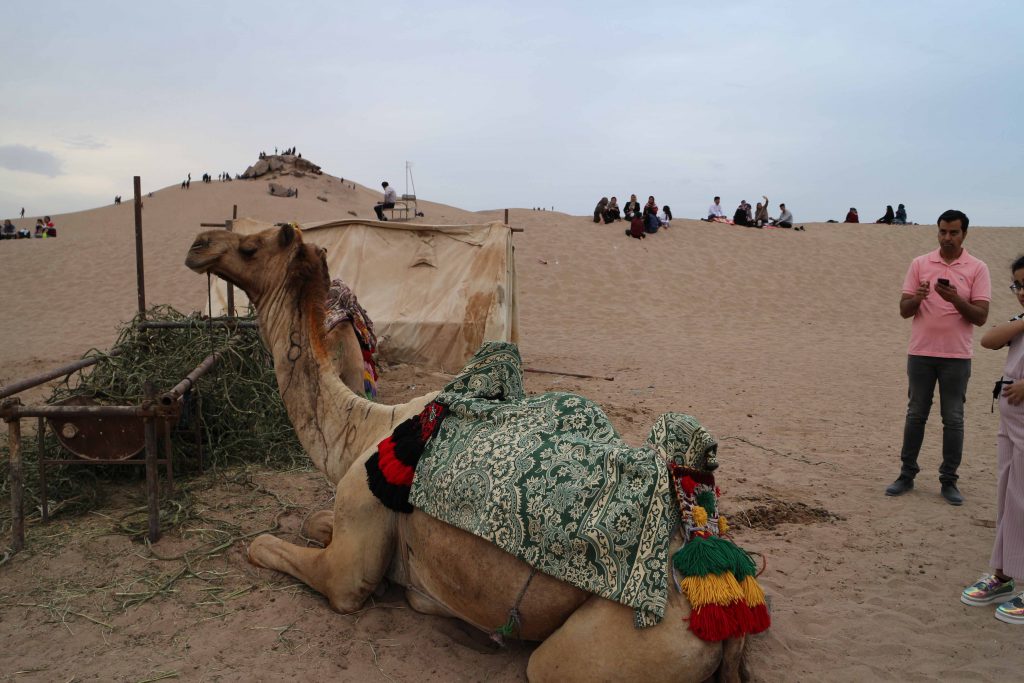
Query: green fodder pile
[241,417]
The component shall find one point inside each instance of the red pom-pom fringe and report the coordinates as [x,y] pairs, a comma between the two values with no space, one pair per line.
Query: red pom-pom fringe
[390,471]
[761,619]
[394,471]
[688,485]
[713,623]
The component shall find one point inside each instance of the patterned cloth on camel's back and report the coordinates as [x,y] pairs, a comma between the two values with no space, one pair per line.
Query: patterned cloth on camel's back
[342,306]
[548,479]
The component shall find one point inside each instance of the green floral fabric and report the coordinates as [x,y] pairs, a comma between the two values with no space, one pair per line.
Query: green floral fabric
[548,479]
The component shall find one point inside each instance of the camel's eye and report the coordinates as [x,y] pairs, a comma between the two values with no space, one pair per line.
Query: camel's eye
[247,250]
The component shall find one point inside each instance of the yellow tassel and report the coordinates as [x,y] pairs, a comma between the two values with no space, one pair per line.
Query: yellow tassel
[700,516]
[713,589]
[753,595]
[723,526]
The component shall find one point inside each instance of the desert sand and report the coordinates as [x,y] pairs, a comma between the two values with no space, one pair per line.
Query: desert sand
[787,345]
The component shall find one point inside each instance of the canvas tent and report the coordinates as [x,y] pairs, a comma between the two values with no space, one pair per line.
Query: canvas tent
[434,292]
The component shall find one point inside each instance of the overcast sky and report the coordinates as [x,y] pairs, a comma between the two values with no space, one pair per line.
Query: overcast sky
[823,105]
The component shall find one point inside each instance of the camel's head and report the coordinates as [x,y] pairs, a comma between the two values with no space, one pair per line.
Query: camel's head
[682,440]
[274,260]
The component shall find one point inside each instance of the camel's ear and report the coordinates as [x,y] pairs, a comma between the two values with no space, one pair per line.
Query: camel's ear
[287,235]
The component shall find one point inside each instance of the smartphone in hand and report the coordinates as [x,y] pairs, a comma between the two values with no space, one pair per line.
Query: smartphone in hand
[943,281]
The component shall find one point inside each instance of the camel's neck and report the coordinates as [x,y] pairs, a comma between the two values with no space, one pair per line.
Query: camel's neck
[334,425]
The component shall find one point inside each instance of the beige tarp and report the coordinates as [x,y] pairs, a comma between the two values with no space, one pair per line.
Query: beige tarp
[434,292]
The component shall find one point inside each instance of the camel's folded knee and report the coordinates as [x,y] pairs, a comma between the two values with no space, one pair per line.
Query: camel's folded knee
[320,527]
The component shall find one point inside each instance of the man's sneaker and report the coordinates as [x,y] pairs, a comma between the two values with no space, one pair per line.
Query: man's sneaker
[952,494]
[1012,612]
[900,486]
[988,589]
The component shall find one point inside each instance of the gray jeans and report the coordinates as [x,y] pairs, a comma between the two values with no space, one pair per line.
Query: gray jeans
[952,375]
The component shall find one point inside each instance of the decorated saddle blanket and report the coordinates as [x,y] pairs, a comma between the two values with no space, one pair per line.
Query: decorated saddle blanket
[342,306]
[548,479]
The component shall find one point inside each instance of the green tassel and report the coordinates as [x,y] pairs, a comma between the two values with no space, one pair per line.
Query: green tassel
[702,556]
[742,564]
[706,499]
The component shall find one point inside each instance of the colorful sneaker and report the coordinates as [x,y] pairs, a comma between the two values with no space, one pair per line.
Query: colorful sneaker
[988,589]
[1012,612]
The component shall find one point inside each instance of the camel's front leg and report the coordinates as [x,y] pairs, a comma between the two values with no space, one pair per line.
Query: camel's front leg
[348,569]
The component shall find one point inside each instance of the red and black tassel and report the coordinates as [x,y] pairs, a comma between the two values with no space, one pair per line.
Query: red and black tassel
[390,471]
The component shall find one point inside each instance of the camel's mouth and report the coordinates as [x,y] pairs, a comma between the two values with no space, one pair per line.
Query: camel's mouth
[204,254]
[199,257]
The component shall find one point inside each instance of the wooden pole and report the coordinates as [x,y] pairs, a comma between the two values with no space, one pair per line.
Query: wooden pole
[17,485]
[43,493]
[197,422]
[152,489]
[506,216]
[140,274]
[231,287]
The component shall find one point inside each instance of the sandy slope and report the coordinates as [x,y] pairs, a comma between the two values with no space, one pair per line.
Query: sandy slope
[787,345]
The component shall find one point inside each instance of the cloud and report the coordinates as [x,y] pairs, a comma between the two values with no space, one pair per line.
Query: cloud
[84,141]
[29,160]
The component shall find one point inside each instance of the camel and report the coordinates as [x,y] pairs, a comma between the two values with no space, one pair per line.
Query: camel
[446,571]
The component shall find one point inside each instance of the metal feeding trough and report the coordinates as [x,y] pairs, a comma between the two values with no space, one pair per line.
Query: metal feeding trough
[113,437]
[98,434]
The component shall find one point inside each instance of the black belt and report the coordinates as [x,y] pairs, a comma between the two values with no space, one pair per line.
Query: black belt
[998,389]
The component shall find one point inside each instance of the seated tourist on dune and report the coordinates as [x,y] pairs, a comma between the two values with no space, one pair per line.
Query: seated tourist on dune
[761,215]
[636,227]
[785,219]
[612,212]
[715,212]
[600,209]
[901,215]
[889,216]
[741,215]
[852,216]
[40,228]
[390,197]
[632,208]
[8,232]
[651,222]
[665,216]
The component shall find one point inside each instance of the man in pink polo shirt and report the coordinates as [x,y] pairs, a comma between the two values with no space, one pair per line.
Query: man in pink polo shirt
[947,293]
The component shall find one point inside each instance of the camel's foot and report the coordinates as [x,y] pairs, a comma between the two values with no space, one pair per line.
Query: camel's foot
[425,605]
[261,548]
[319,526]
[313,567]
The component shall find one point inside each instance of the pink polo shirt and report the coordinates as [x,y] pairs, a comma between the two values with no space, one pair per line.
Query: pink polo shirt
[938,329]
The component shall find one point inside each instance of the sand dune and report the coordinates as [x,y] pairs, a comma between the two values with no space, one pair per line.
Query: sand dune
[787,345]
